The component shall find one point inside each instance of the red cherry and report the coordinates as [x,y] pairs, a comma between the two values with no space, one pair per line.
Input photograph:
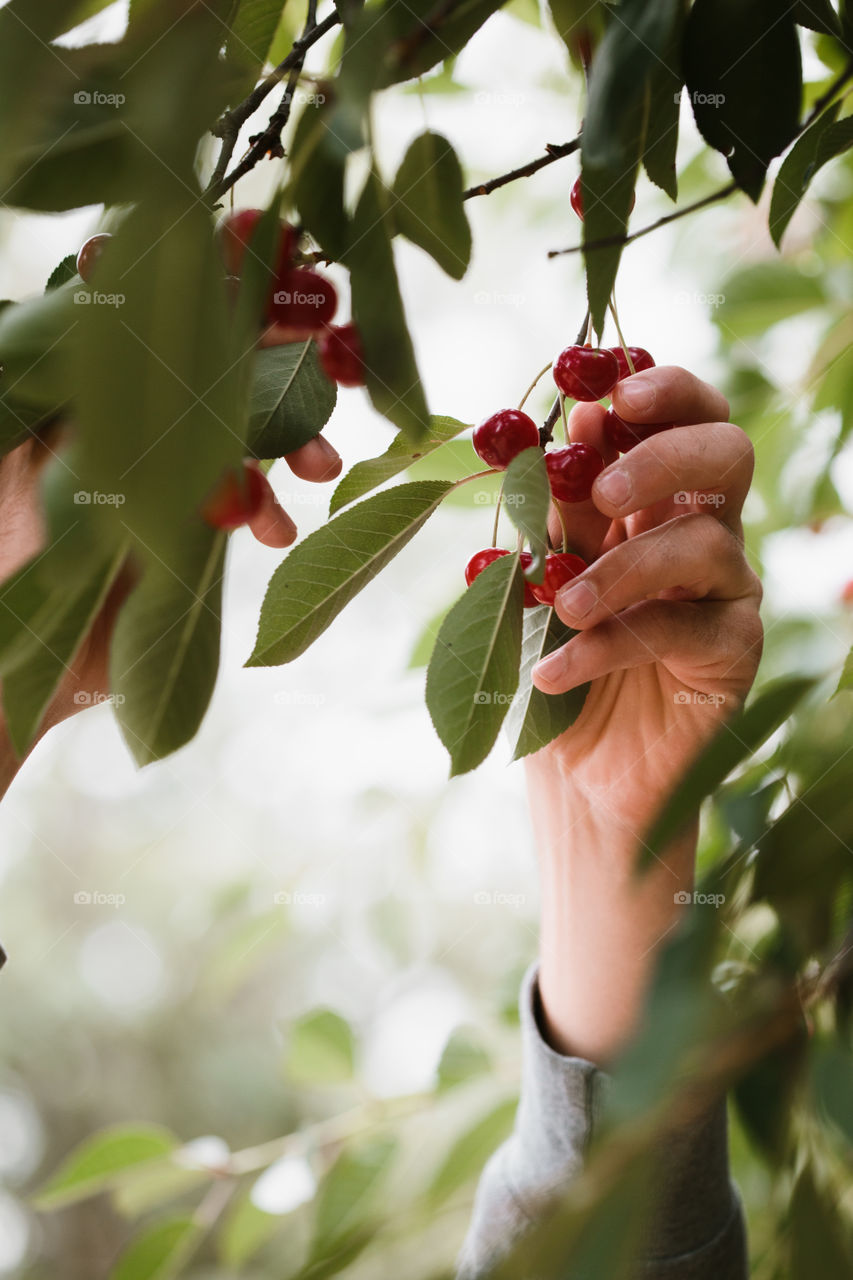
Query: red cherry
[236,232]
[559,569]
[482,559]
[237,497]
[499,438]
[341,355]
[572,471]
[90,253]
[624,435]
[304,302]
[641,358]
[576,198]
[847,593]
[586,373]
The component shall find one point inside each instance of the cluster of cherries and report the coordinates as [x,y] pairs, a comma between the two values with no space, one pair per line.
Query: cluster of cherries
[301,303]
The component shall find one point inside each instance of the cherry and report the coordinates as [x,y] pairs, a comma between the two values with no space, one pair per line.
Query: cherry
[303,302]
[576,198]
[236,232]
[237,498]
[501,437]
[572,471]
[641,358]
[624,435]
[559,569]
[586,373]
[90,253]
[341,355]
[482,559]
[846,596]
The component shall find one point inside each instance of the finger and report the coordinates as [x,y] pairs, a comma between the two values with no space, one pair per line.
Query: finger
[586,526]
[705,467]
[694,555]
[668,394]
[271,524]
[710,646]
[316,460]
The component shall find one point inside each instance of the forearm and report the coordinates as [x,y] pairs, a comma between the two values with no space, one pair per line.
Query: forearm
[601,926]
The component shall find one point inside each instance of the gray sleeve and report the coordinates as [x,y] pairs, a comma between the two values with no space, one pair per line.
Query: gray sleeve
[698,1228]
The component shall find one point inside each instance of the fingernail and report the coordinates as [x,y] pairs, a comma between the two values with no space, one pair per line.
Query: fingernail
[329,450]
[577,600]
[549,670]
[638,393]
[614,486]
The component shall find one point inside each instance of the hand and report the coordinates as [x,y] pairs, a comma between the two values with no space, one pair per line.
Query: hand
[670,636]
[670,640]
[22,535]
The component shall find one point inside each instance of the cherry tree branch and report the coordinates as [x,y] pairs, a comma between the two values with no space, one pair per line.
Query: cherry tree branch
[231,122]
[553,151]
[606,242]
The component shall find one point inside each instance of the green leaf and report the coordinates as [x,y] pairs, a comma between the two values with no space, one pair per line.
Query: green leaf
[761,295]
[318,157]
[473,672]
[664,111]
[831,1067]
[765,1096]
[845,681]
[428,208]
[735,742]
[527,500]
[400,454]
[61,274]
[465,1159]
[633,48]
[819,1236]
[246,1230]
[818,15]
[537,718]
[391,375]
[796,172]
[36,340]
[322,1049]
[329,568]
[251,34]
[101,1161]
[164,655]
[579,24]
[463,1059]
[401,39]
[51,624]
[346,1192]
[159,1252]
[746,105]
[292,399]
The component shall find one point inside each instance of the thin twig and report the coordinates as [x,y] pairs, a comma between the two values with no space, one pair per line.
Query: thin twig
[553,151]
[607,242]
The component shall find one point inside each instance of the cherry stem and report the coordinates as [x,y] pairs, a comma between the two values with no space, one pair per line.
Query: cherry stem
[563,526]
[498,514]
[565,419]
[539,375]
[615,315]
